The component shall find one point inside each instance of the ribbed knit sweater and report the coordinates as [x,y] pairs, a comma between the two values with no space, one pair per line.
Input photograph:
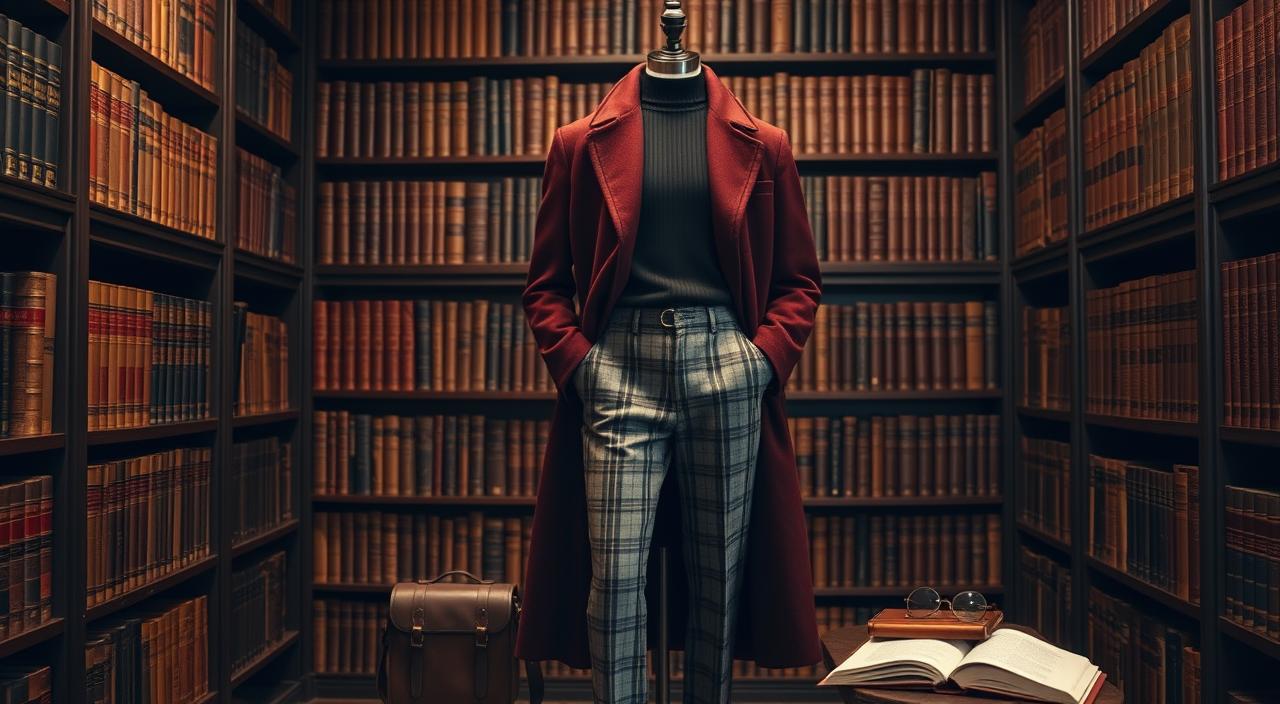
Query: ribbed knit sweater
[675,260]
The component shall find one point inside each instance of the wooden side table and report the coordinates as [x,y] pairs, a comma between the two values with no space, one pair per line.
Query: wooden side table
[839,644]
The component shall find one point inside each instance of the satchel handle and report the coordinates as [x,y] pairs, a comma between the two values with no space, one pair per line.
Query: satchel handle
[463,573]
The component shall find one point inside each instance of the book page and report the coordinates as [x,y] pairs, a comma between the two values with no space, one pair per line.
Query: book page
[1034,660]
[940,655]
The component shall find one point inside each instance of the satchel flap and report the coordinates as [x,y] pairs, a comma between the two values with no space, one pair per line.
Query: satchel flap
[451,608]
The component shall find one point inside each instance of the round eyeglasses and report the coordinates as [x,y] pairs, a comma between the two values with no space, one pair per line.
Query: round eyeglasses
[923,602]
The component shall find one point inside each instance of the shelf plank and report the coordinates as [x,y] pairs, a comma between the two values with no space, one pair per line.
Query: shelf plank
[1157,225]
[116,436]
[830,592]
[207,698]
[262,141]
[546,397]
[1052,414]
[147,591]
[1178,428]
[267,270]
[266,538]
[1129,41]
[1249,637]
[150,240]
[887,502]
[278,693]
[32,443]
[616,65]
[1042,106]
[260,419]
[1045,262]
[1252,193]
[1058,544]
[278,35]
[179,94]
[1167,599]
[1250,436]
[32,637]
[261,660]
[25,204]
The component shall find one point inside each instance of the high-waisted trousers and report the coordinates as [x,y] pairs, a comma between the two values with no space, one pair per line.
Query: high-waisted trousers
[679,387]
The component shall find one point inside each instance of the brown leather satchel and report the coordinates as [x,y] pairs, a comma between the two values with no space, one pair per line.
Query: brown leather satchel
[451,642]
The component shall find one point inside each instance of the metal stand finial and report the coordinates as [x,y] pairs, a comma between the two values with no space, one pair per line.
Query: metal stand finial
[673,60]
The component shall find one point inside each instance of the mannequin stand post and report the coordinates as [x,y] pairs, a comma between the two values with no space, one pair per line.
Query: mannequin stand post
[661,657]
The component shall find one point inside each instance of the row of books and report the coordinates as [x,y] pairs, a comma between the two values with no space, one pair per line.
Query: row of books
[1042,588]
[1251,342]
[1252,559]
[904,345]
[264,85]
[1142,348]
[1040,186]
[146,517]
[1144,520]
[262,362]
[347,633]
[262,480]
[1149,661]
[145,162]
[1246,56]
[882,456]
[1103,19]
[379,547]
[1045,487]
[441,345]
[266,209]
[180,33]
[27,684]
[418,29]
[1138,150]
[437,455]
[148,357]
[1044,48]
[427,222]
[931,111]
[26,555]
[31,106]
[904,550]
[1046,358]
[258,606]
[28,320]
[159,656]
[903,218]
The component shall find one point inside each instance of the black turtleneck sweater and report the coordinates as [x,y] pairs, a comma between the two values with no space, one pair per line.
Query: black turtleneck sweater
[675,259]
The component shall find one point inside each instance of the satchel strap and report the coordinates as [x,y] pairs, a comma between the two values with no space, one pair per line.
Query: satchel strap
[481,668]
[462,573]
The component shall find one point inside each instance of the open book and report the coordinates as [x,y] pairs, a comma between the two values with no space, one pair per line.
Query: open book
[1010,663]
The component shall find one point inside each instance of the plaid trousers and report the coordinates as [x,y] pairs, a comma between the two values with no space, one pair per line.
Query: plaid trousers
[682,384]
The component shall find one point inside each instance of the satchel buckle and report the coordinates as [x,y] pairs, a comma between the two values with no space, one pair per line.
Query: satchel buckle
[482,629]
[416,634]
[662,318]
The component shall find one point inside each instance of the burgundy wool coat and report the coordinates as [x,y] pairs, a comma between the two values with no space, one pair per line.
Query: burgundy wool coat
[584,239]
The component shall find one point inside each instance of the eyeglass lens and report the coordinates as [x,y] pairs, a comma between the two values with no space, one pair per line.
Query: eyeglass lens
[969,605]
[923,601]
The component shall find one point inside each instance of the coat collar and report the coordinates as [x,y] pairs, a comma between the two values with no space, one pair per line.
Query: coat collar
[616,147]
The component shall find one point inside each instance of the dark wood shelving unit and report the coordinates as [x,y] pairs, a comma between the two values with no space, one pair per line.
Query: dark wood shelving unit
[1042,106]
[1045,539]
[1167,599]
[262,141]
[166,85]
[1169,221]
[116,436]
[32,443]
[267,270]
[1130,39]
[1249,637]
[1150,426]
[902,591]
[1042,263]
[32,637]
[1247,194]
[885,502]
[136,596]
[150,240]
[273,651]
[1250,436]
[1053,414]
[281,37]
[267,537]
[546,397]
[18,197]
[260,419]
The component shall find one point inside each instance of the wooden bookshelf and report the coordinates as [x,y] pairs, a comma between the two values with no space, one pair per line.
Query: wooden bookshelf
[28,444]
[1049,100]
[1129,40]
[32,637]
[273,651]
[1149,592]
[144,433]
[165,84]
[1053,414]
[140,594]
[267,537]
[1149,426]
[824,502]
[260,419]
[261,140]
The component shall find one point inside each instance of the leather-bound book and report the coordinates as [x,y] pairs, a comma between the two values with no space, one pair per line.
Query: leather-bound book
[892,438]
[942,624]
[821,456]
[906,346]
[925,457]
[939,339]
[876,343]
[804,454]
[877,457]
[857,28]
[908,480]
[877,216]
[818,549]
[862,346]
[780,26]
[874,25]
[957,345]
[875,551]
[921,344]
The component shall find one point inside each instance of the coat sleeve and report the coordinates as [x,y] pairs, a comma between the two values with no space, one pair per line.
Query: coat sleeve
[549,289]
[795,288]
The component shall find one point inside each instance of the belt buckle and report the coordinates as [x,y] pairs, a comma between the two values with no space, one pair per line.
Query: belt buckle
[662,318]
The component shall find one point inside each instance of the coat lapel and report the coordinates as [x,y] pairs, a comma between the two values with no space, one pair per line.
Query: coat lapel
[615,143]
